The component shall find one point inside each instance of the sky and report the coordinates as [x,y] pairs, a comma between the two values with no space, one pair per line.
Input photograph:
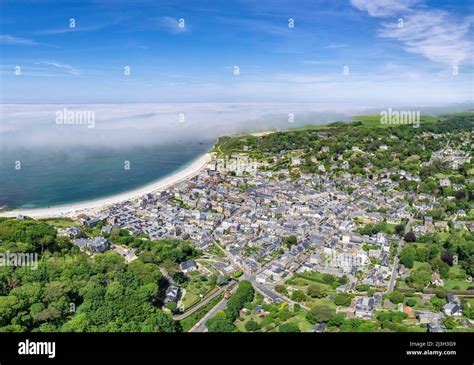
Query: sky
[339,52]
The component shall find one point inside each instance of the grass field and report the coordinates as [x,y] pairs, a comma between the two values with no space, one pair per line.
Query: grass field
[374,120]
[61,222]
[457,279]
[195,287]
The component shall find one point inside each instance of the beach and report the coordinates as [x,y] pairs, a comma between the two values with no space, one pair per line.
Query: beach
[94,206]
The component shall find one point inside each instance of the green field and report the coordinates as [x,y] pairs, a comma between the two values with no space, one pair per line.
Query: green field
[61,222]
[374,120]
[195,287]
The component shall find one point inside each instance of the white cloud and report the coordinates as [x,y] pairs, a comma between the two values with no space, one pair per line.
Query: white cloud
[172,25]
[312,62]
[435,34]
[383,8]
[62,66]
[7,39]
[336,45]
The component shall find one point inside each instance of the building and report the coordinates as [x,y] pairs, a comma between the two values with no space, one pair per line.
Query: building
[172,294]
[364,308]
[436,327]
[97,244]
[188,266]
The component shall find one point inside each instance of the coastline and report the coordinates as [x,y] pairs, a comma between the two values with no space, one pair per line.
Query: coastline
[93,206]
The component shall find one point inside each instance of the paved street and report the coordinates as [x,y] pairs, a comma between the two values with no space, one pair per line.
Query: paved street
[393,278]
[201,325]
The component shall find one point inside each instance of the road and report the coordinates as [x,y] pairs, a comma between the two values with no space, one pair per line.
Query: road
[202,303]
[393,278]
[201,325]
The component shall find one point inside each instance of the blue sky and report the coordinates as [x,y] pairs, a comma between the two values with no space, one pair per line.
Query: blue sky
[387,64]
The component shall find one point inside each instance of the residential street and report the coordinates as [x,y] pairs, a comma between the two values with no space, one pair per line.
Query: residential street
[201,325]
[393,277]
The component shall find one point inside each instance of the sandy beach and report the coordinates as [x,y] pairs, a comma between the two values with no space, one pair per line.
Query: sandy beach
[70,210]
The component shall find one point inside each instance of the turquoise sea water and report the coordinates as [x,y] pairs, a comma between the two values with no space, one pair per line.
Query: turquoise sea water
[56,177]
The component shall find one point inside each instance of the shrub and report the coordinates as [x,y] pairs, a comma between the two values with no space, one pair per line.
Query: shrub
[440,293]
[320,313]
[252,326]
[396,297]
[316,291]
[289,327]
[342,300]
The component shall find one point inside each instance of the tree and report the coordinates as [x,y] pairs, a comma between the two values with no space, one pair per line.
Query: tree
[408,255]
[289,241]
[422,254]
[220,325]
[179,277]
[320,313]
[252,326]
[281,289]
[440,293]
[316,291]
[399,229]
[411,302]
[437,303]
[396,297]
[441,267]
[337,320]
[447,257]
[244,293]
[450,323]
[289,327]
[298,296]
[410,237]
[421,276]
[342,300]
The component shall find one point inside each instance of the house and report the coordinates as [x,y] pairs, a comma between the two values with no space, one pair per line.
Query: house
[319,327]
[436,327]
[106,229]
[261,278]
[188,266]
[436,279]
[71,231]
[377,300]
[97,244]
[172,294]
[445,182]
[91,223]
[442,225]
[452,309]
[429,317]
[364,307]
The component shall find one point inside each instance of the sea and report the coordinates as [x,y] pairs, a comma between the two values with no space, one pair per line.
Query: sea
[43,178]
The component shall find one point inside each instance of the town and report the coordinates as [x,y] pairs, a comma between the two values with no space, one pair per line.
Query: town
[334,241]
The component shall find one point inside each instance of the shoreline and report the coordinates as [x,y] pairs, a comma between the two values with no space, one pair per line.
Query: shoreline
[93,206]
